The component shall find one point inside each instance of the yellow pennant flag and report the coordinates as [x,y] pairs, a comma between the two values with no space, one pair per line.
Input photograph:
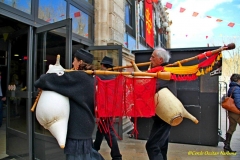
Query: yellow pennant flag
[5,36]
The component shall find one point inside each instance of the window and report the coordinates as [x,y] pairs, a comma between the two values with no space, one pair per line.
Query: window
[89,1]
[130,17]
[22,5]
[81,22]
[52,10]
[141,26]
[128,13]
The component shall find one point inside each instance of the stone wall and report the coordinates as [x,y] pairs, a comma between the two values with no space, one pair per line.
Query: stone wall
[110,25]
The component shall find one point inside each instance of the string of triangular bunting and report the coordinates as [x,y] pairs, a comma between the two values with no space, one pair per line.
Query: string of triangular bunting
[195,14]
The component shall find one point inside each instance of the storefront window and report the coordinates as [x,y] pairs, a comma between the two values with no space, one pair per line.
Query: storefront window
[18,82]
[52,10]
[81,22]
[22,5]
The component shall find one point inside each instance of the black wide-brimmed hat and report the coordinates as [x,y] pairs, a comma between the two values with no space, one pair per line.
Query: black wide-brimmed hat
[107,60]
[84,55]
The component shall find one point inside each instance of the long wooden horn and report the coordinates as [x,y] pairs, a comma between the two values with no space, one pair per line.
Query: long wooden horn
[203,55]
[200,56]
[160,75]
[129,66]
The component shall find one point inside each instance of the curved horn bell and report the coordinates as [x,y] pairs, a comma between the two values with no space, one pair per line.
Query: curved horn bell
[170,109]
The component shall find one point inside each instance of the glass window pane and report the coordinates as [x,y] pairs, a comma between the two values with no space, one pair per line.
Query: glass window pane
[128,14]
[99,54]
[89,1]
[18,82]
[52,10]
[55,45]
[131,43]
[22,5]
[125,40]
[81,22]
[141,9]
[141,28]
[127,18]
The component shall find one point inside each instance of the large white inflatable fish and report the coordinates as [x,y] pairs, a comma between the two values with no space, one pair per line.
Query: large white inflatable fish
[52,110]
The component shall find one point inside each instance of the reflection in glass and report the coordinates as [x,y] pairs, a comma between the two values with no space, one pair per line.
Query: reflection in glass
[89,1]
[81,22]
[141,47]
[99,54]
[18,75]
[125,40]
[22,5]
[55,45]
[128,13]
[131,42]
[52,10]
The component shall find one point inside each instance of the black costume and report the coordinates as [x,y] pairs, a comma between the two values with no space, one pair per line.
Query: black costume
[79,88]
[109,136]
[157,144]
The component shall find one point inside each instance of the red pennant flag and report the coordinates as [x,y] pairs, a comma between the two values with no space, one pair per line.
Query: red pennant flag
[219,20]
[169,5]
[48,20]
[62,15]
[77,14]
[208,16]
[231,24]
[182,9]
[195,14]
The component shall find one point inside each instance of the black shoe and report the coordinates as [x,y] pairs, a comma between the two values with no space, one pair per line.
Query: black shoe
[227,143]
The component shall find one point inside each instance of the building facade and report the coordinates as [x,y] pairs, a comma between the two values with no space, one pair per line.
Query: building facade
[34,32]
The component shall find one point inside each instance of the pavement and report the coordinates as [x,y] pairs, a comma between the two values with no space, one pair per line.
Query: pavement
[134,149]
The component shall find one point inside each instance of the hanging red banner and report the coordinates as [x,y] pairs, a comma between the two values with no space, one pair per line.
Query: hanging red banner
[182,9]
[148,24]
[125,96]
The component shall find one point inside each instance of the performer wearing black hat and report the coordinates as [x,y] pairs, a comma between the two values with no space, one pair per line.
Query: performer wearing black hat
[78,86]
[82,60]
[109,135]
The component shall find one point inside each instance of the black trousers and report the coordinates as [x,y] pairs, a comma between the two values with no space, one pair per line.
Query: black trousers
[110,138]
[157,144]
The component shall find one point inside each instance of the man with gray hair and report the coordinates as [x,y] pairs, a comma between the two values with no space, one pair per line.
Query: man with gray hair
[157,143]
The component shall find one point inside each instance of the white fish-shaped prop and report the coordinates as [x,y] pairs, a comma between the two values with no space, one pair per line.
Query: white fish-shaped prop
[52,110]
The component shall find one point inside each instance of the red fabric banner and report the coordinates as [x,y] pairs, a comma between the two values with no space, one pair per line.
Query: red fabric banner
[149,24]
[77,14]
[219,20]
[182,9]
[168,5]
[125,96]
[195,14]
[231,24]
